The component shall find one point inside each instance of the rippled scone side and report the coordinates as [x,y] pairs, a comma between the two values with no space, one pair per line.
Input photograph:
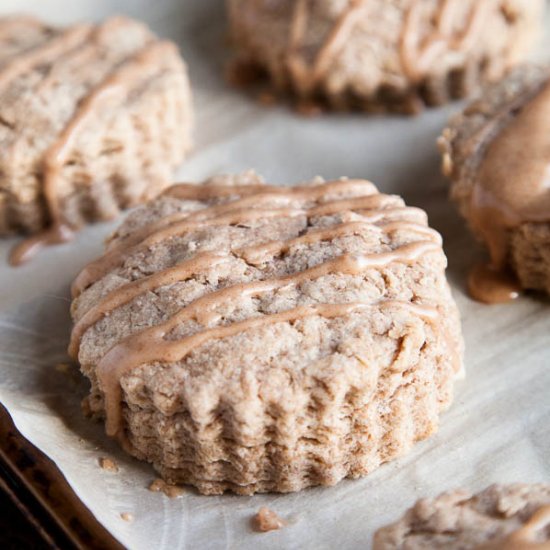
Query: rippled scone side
[350,345]
[93,118]
[501,517]
[519,213]
[383,55]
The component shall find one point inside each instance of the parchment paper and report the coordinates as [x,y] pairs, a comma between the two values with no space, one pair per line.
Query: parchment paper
[497,430]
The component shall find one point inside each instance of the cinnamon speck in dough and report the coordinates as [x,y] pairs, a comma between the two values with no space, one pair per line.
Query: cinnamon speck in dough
[160,486]
[267,520]
[108,464]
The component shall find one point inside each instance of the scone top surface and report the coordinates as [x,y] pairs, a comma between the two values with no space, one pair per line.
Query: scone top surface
[501,517]
[376,54]
[237,323]
[94,117]
[497,154]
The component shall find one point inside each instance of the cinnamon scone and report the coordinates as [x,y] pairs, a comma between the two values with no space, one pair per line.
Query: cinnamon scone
[93,118]
[496,154]
[382,55]
[252,338]
[502,517]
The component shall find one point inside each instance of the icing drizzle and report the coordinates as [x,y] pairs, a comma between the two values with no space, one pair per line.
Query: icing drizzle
[417,53]
[156,343]
[115,86]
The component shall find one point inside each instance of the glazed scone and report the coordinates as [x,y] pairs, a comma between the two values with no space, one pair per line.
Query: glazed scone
[380,55]
[253,338]
[502,517]
[496,154]
[93,118]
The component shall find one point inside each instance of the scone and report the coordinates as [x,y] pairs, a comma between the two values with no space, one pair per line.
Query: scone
[253,338]
[502,517]
[380,55]
[496,154]
[93,118]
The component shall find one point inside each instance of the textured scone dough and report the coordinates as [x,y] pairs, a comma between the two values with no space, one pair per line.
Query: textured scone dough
[500,517]
[316,394]
[383,54]
[463,145]
[124,93]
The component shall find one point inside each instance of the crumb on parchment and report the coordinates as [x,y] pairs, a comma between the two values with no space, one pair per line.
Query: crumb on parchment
[267,520]
[108,464]
[160,486]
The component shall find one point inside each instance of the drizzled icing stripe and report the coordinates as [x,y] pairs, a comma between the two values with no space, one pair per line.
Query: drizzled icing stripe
[43,53]
[254,255]
[417,57]
[242,209]
[307,77]
[150,345]
[417,54]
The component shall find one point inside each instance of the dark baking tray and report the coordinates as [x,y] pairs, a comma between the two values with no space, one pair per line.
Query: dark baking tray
[41,493]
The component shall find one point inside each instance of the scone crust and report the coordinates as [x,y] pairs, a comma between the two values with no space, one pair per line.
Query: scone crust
[458,520]
[125,143]
[294,401]
[382,55]
[462,146]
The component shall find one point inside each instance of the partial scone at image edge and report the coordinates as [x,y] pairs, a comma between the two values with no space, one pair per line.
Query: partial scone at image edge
[95,117]
[495,154]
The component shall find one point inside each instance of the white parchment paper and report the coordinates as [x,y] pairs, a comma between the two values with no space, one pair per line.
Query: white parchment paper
[498,429]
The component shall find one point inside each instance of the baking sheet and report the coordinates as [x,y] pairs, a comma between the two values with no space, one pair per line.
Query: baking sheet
[497,430]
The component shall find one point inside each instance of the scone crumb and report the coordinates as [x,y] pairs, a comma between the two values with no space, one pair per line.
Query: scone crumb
[127,516]
[160,486]
[267,520]
[108,464]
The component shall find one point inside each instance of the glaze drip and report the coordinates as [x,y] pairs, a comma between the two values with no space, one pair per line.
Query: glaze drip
[417,53]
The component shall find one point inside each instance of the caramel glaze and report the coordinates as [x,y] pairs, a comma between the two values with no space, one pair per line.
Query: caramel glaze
[153,344]
[512,187]
[254,204]
[253,256]
[114,86]
[304,76]
[417,54]
[524,538]
[492,286]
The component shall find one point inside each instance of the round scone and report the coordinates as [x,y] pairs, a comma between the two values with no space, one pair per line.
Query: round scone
[253,338]
[501,517]
[93,118]
[496,154]
[395,55]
